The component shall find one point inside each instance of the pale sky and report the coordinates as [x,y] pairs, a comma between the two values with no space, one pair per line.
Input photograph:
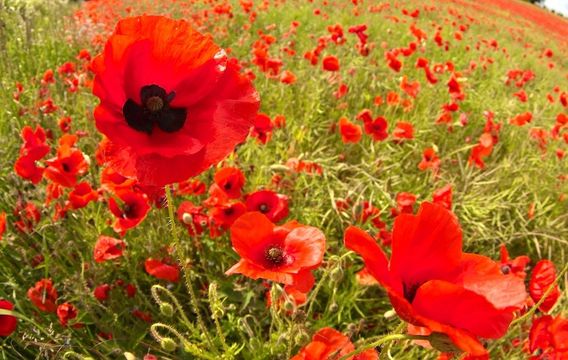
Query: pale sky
[559,5]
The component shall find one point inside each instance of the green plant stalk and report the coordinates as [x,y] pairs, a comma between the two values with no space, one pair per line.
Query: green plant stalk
[185,271]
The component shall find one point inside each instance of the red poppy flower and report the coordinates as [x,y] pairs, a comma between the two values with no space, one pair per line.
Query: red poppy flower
[69,164]
[113,181]
[514,266]
[231,180]
[108,248]
[411,88]
[270,203]
[28,216]
[225,215]
[34,145]
[330,63]
[542,277]
[34,148]
[66,312]
[405,202]
[521,119]
[432,284]
[548,338]
[403,130]
[27,169]
[131,210]
[101,292]
[443,196]
[191,187]
[81,195]
[192,217]
[284,254]
[43,295]
[329,343]
[262,129]
[171,103]
[430,160]
[8,323]
[2,224]
[161,270]
[350,132]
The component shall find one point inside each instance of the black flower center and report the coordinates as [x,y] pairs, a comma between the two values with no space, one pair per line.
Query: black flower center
[274,255]
[155,110]
[410,291]
[263,208]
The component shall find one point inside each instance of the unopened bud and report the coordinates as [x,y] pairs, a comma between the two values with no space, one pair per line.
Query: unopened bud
[336,274]
[389,314]
[166,309]
[187,218]
[168,344]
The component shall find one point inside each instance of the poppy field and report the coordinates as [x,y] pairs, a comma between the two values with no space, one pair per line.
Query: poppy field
[283,179]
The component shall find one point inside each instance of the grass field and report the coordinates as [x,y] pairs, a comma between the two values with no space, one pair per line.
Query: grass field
[483,84]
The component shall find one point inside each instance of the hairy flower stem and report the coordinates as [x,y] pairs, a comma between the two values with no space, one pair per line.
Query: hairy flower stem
[185,270]
[387,338]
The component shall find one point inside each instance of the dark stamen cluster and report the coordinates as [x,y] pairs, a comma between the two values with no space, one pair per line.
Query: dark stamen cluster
[154,111]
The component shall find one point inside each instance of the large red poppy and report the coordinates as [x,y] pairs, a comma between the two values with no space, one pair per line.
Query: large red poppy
[432,284]
[285,254]
[171,102]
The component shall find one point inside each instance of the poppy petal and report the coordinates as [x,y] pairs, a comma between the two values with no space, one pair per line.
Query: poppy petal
[461,308]
[427,245]
[250,236]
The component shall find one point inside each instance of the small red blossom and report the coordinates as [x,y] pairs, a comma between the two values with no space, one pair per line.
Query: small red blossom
[108,248]
[284,254]
[43,295]
[101,292]
[66,312]
[268,202]
[81,195]
[330,63]
[8,323]
[350,132]
[231,180]
[161,270]
[329,343]
[129,208]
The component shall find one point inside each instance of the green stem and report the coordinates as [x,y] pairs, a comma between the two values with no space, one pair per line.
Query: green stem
[387,338]
[185,270]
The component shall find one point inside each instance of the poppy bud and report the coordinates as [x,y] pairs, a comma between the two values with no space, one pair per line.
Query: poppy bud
[336,274]
[389,314]
[301,337]
[288,305]
[166,309]
[333,307]
[187,218]
[127,356]
[168,344]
